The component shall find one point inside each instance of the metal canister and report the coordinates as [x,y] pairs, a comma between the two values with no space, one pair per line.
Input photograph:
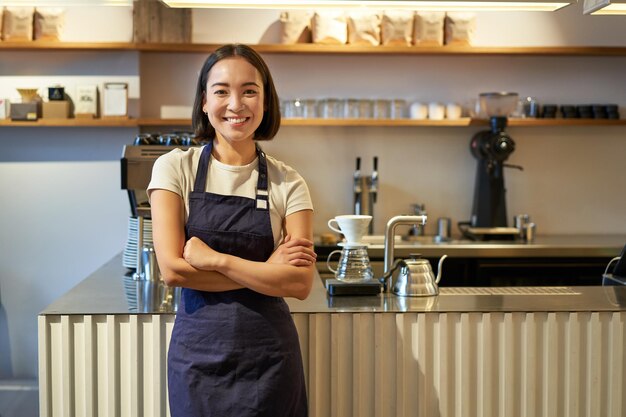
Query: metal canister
[444,226]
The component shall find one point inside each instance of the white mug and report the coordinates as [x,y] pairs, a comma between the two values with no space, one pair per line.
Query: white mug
[418,111]
[453,111]
[436,111]
[352,226]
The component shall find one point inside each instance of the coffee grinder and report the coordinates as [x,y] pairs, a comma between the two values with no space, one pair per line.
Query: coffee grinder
[491,148]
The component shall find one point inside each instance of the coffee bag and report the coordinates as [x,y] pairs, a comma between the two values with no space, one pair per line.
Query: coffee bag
[364,28]
[49,22]
[397,27]
[295,27]
[18,24]
[429,28]
[329,27]
[460,28]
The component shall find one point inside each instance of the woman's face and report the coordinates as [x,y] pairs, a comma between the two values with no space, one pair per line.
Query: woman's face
[234,99]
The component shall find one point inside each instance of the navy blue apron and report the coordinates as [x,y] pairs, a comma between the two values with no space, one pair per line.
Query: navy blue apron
[234,353]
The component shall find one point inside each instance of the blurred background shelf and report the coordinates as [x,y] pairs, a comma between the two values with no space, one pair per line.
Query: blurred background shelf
[310,48]
[463,122]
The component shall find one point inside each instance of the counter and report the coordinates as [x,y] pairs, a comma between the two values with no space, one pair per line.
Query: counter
[111,290]
[544,246]
[495,351]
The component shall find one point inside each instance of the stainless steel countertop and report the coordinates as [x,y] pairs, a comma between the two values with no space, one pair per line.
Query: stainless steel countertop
[552,246]
[110,290]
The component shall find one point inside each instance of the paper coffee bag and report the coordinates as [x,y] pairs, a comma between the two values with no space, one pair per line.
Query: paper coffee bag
[397,27]
[329,27]
[49,22]
[460,28]
[295,27]
[18,24]
[364,28]
[429,28]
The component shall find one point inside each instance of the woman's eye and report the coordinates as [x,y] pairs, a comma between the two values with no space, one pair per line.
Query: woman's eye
[220,92]
[250,92]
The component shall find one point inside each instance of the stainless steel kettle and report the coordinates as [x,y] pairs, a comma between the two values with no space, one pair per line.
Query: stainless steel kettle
[416,277]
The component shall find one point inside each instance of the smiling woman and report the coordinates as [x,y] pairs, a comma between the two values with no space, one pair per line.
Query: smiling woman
[233,102]
[262,81]
[233,227]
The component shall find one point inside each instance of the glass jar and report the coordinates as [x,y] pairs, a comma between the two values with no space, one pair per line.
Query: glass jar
[351,108]
[365,109]
[397,109]
[381,109]
[330,108]
[309,108]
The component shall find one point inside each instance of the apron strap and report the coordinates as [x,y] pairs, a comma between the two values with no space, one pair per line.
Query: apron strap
[262,193]
[203,168]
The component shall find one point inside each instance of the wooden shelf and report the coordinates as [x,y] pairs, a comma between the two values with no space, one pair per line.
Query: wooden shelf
[186,123]
[113,122]
[69,46]
[463,122]
[164,122]
[319,49]
[565,122]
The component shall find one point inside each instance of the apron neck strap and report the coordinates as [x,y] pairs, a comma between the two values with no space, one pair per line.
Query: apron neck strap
[262,194]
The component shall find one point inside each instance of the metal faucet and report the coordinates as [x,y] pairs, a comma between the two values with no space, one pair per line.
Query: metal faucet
[418,210]
[390,231]
[365,192]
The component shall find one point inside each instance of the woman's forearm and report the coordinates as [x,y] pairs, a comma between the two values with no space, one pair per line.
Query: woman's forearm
[178,273]
[278,280]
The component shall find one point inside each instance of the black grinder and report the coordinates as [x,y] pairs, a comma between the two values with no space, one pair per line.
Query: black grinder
[491,148]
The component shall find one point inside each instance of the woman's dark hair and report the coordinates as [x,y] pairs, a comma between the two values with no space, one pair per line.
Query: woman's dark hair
[271,116]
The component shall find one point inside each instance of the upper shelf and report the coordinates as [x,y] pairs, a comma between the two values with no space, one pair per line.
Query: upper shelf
[321,49]
[463,122]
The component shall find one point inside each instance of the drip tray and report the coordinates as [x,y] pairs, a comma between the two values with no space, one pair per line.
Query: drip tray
[507,291]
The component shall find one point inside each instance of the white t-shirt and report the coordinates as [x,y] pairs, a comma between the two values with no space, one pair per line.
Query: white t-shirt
[288,193]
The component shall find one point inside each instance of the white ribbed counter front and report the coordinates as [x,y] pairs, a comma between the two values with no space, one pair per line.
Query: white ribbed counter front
[537,351]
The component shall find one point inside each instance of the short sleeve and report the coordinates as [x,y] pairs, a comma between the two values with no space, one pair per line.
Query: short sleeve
[298,196]
[166,173]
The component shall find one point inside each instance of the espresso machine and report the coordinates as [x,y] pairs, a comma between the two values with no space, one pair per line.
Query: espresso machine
[136,169]
[492,148]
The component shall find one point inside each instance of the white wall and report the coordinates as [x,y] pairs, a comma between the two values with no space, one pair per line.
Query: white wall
[63,214]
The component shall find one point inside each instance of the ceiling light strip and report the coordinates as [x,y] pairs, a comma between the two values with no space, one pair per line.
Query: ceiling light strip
[488,5]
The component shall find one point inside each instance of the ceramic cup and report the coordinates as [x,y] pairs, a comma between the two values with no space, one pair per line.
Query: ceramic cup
[352,226]
[418,111]
[436,111]
[453,111]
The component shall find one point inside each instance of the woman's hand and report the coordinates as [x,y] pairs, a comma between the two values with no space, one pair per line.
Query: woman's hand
[298,252]
[199,255]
